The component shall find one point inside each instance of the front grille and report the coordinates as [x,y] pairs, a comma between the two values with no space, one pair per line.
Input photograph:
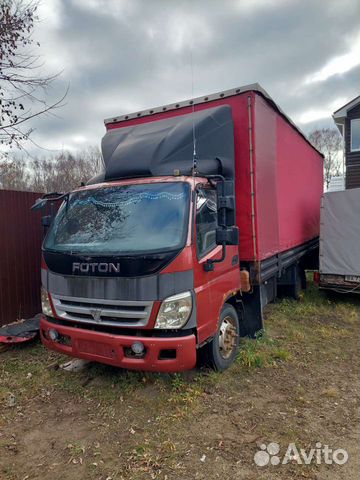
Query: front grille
[110,313]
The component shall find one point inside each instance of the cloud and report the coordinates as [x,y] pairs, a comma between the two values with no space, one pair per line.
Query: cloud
[337,65]
[119,56]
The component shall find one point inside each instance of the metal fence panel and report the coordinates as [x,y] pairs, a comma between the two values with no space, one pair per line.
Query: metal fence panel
[21,236]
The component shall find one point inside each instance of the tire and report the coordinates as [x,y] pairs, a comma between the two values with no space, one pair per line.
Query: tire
[221,351]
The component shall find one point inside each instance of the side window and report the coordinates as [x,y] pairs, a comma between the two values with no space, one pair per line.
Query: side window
[206,221]
[355,135]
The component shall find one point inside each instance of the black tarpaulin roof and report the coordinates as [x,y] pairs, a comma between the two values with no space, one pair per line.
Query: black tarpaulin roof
[160,147]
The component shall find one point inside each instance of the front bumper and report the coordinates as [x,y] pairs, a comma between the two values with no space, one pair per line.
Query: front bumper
[110,349]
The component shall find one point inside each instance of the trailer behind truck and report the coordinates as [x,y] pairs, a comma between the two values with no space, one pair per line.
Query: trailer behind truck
[339,268]
[204,211]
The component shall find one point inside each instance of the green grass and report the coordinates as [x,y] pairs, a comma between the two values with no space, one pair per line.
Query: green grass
[264,352]
[76,451]
[294,326]
[291,327]
[152,410]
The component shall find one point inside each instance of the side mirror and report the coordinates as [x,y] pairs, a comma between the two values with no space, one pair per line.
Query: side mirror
[227,236]
[227,233]
[46,221]
[226,203]
[39,203]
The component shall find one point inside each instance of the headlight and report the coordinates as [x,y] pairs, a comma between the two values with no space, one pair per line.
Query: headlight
[174,311]
[45,303]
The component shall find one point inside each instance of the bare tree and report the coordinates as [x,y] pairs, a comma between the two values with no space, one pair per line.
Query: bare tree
[14,175]
[58,173]
[330,143]
[22,87]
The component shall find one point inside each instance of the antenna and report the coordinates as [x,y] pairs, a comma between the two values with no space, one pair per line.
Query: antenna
[194,168]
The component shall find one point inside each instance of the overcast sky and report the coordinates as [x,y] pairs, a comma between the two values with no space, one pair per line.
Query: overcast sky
[120,56]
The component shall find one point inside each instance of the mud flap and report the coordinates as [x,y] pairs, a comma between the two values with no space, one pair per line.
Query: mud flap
[252,319]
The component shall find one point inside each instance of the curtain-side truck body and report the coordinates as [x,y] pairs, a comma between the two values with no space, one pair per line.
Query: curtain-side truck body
[339,265]
[204,210]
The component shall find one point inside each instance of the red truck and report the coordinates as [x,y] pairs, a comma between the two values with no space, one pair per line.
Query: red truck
[204,211]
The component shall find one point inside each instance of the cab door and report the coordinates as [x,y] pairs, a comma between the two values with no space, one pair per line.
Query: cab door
[214,287]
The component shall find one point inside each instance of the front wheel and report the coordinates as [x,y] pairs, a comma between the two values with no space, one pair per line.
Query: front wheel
[221,352]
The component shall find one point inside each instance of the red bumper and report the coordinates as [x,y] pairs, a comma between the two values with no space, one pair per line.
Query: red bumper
[110,349]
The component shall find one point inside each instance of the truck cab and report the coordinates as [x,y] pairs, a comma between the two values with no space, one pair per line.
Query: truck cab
[129,277]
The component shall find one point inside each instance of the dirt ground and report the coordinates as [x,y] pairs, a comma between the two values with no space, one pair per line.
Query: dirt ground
[298,384]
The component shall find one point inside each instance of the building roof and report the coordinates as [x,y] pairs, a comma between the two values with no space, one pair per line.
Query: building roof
[342,112]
